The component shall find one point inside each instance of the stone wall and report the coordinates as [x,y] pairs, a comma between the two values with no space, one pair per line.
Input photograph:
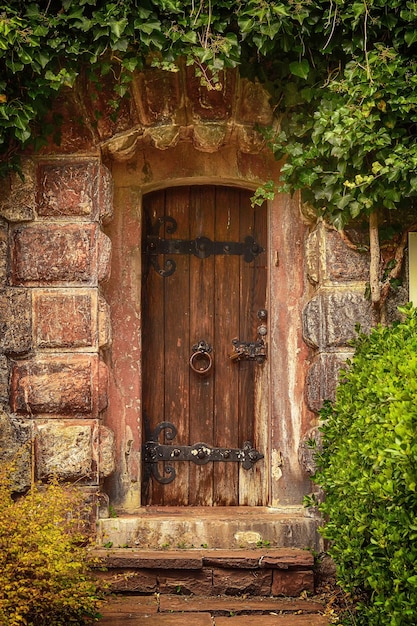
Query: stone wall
[54,320]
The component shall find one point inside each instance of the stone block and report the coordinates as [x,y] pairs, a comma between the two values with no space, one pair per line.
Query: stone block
[130,581]
[342,262]
[68,189]
[107,452]
[15,321]
[4,245]
[15,448]
[323,377]
[81,188]
[56,253]
[18,199]
[211,104]
[312,253]
[4,379]
[185,582]
[65,449]
[235,582]
[147,88]
[105,194]
[103,257]
[292,583]
[65,318]
[254,98]
[329,319]
[59,385]
[104,324]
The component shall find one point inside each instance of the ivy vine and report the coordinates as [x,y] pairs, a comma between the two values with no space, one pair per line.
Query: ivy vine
[342,76]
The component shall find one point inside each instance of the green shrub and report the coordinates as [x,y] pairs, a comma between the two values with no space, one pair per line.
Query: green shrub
[44,576]
[368,471]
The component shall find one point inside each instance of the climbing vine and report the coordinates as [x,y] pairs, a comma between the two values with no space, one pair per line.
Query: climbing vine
[342,76]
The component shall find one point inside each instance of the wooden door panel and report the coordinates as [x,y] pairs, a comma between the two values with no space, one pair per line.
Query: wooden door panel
[214,299]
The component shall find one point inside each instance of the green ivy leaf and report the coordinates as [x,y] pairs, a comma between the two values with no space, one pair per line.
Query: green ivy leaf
[300,68]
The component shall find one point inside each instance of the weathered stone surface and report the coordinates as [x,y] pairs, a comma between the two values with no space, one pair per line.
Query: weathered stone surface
[104,324]
[15,437]
[164,137]
[15,321]
[211,104]
[329,319]
[4,379]
[344,263]
[312,254]
[104,257]
[18,200]
[107,452]
[185,582]
[287,559]
[64,448]
[65,319]
[142,581]
[63,385]
[306,453]
[3,253]
[254,106]
[105,194]
[292,583]
[147,88]
[239,606]
[68,189]
[234,582]
[209,137]
[322,378]
[55,253]
[329,258]
[151,559]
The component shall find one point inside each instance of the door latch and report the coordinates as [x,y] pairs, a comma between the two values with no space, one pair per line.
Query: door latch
[252,350]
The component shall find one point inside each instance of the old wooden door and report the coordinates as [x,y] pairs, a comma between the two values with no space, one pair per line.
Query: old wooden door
[194,305]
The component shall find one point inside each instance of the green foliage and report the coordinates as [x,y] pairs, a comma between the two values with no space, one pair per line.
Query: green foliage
[342,77]
[43,560]
[368,470]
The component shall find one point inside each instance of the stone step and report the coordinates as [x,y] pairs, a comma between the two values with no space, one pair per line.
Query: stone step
[171,610]
[257,572]
[214,527]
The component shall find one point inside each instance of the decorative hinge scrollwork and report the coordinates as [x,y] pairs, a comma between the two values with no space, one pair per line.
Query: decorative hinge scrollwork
[199,453]
[201,247]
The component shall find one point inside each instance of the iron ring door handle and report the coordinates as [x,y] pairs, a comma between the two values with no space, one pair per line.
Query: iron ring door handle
[201,360]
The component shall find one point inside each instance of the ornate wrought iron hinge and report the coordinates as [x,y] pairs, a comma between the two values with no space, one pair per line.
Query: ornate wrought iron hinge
[201,247]
[199,453]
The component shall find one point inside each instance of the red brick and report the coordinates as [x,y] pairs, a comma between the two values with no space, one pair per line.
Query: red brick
[234,582]
[292,583]
[65,320]
[59,253]
[63,385]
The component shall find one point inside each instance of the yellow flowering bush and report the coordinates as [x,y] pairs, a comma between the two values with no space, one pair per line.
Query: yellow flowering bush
[44,573]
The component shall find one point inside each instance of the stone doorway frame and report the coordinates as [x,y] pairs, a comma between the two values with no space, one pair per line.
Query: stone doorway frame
[57,367]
